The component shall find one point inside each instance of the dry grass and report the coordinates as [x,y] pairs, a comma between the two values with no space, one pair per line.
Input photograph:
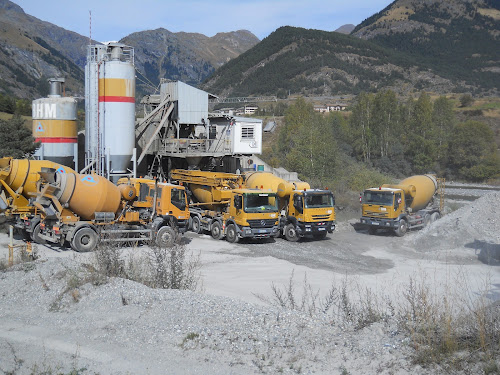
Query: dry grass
[493,13]
[28,121]
[452,326]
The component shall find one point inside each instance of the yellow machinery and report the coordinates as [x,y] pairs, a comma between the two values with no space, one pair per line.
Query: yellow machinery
[229,209]
[18,179]
[303,211]
[86,209]
[407,205]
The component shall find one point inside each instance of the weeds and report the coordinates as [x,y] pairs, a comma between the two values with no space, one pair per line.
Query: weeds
[438,324]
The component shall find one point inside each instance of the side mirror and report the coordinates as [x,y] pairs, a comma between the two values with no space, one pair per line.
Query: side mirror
[297,203]
[237,202]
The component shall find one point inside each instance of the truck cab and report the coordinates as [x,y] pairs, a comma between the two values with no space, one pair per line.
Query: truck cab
[251,213]
[388,208]
[381,205]
[159,199]
[309,212]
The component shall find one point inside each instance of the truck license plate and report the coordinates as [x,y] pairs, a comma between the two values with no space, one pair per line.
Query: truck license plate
[375,223]
[262,231]
[321,228]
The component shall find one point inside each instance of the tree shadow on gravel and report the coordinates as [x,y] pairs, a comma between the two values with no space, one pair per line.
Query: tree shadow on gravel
[488,253]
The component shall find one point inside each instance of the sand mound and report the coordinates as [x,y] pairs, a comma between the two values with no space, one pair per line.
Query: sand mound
[476,225]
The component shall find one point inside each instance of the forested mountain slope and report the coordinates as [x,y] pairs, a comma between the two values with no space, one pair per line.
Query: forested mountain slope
[457,39]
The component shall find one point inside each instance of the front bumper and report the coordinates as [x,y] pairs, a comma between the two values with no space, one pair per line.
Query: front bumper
[305,229]
[247,232]
[379,223]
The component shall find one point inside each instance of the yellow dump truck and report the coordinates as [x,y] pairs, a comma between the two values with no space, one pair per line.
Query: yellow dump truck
[85,209]
[413,203]
[223,207]
[18,178]
[303,211]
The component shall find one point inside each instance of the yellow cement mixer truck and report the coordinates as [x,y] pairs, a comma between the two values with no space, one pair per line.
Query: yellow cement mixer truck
[303,211]
[18,187]
[85,209]
[224,207]
[413,203]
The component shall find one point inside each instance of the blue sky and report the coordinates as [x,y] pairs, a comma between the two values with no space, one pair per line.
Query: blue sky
[115,19]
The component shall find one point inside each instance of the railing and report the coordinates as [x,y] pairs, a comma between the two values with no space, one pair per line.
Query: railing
[195,146]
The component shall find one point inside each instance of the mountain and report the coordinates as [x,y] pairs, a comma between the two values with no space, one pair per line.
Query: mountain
[346,29]
[409,46]
[457,39]
[314,62]
[189,57]
[32,50]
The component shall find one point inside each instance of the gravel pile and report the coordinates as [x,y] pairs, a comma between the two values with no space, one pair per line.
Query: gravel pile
[476,225]
[53,315]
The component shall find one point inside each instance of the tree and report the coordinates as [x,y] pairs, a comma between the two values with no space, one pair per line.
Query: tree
[472,152]
[444,120]
[386,128]
[361,125]
[16,139]
[466,100]
[421,149]
[307,143]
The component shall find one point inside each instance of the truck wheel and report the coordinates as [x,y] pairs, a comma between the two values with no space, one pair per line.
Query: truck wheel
[435,216]
[165,237]
[216,231]
[231,234]
[196,224]
[402,228]
[35,235]
[290,233]
[84,240]
[427,220]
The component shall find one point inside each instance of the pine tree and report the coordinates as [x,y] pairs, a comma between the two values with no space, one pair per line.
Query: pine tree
[16,139]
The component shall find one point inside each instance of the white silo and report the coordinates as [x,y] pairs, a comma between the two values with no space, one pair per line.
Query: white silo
[54,125]
[109,108]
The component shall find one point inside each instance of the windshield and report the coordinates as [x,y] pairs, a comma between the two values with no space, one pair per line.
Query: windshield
[260,202]
[319,200]
[378,197]
[178,198]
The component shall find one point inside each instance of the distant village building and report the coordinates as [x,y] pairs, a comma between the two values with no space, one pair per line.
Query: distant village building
[251,109]
[330,108]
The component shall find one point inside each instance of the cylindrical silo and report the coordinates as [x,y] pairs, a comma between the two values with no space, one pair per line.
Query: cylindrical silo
[110,107]
[54,125]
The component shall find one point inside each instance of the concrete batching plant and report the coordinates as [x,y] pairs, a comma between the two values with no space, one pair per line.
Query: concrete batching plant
[54,125]
[109,109]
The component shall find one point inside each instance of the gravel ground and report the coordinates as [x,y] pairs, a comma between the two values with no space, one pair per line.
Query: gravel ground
[56,317]
[123,327]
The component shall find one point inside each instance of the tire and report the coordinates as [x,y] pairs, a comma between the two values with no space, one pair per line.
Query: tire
[402,228]
[231,234]
[216,231]
[291,233]
[84,240]
[196,224]
[165,237]
[35,235]
[435,216]
[320,236]
[427,220]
